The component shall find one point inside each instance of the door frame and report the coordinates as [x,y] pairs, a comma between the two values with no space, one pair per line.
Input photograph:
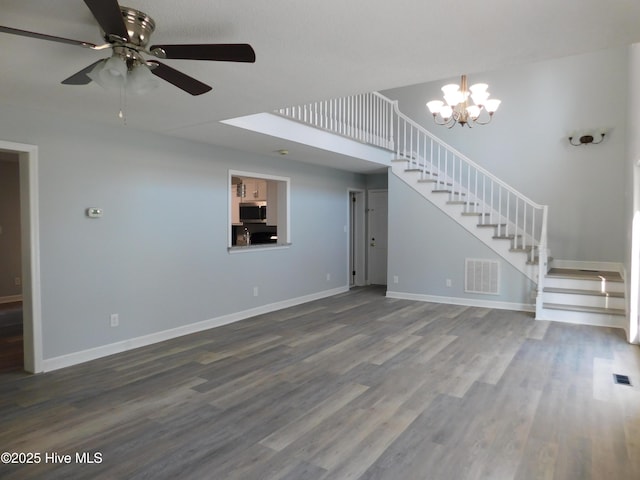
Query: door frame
[30,243]
[356,239]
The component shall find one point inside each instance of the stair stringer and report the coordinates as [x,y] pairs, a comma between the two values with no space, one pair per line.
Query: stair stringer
[470,223]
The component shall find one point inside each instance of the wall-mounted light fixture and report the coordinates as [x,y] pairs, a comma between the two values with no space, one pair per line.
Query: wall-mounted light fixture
[586,140]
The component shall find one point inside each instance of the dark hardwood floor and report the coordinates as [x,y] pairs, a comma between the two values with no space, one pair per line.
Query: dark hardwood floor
[11,343]
[356,386]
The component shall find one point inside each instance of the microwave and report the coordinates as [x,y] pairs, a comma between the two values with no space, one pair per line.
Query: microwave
[254,212]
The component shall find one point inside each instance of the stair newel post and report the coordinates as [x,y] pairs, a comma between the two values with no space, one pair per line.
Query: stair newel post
[542,260]
[391,131]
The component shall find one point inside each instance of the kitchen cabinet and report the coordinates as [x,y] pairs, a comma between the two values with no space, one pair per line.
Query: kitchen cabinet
[256,190]
[235,207]
[272,203]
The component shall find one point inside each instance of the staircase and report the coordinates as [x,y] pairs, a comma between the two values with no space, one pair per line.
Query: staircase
[593,297]
[513,243]
[502,218]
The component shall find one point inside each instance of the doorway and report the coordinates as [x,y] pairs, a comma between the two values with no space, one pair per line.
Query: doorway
[377,236]
[357,269]
[27,158]
[11,336]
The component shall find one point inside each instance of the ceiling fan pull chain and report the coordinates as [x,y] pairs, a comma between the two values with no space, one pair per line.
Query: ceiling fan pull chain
[123,105]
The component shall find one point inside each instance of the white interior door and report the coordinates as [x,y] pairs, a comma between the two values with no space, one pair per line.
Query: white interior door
[378,234]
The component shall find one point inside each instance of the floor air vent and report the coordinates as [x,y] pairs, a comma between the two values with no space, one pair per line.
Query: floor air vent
[482,276]
[621,379]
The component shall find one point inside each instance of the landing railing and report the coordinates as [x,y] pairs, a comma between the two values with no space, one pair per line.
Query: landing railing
[374,119]
[367,118]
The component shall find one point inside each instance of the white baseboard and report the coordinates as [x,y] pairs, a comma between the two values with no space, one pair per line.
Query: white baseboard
[468,302]
[11,299]
[82,356]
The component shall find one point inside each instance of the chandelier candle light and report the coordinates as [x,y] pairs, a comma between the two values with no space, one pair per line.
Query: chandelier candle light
[456,108]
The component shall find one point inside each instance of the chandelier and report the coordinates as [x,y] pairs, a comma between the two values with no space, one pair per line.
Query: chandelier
[456,108]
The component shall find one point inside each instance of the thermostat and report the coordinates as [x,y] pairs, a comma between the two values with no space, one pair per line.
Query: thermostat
[93,212]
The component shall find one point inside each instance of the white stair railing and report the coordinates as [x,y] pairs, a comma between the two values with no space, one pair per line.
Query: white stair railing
[376,120]
[367,118]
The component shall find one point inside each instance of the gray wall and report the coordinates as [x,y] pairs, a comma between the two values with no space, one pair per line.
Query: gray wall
[9,225]
[526,144]
[426,248]
[158,257]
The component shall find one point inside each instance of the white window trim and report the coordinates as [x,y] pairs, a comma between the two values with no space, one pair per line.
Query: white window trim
[286,222]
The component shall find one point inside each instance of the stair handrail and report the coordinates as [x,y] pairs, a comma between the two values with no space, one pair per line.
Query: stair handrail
[374,119]
[453,150]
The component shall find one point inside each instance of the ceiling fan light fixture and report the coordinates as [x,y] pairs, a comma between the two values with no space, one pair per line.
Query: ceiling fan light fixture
[141,80]
[110,74]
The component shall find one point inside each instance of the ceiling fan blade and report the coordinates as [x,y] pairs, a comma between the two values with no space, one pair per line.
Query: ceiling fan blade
[179,79]
[42,36]
[109,17]
[81,78]
[224,52]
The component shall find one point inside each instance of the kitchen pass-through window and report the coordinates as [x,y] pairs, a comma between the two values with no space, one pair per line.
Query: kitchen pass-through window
[258,211]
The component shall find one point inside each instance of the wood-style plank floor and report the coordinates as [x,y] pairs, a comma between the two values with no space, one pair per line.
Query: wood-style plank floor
[356,386]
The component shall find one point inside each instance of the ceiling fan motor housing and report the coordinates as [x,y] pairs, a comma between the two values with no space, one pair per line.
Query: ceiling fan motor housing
[139,26]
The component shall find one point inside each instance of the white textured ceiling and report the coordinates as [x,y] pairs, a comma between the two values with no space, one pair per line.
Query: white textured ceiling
[306,50]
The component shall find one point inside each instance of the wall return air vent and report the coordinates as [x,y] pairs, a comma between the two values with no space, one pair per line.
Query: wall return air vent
[482,276]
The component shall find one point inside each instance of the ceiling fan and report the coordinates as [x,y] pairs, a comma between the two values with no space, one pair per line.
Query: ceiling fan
[127,31]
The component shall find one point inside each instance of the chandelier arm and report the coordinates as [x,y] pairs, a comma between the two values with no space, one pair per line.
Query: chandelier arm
[435,120]
[484,123]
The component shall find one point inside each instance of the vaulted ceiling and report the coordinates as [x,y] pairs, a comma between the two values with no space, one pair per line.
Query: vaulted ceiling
[305,51]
